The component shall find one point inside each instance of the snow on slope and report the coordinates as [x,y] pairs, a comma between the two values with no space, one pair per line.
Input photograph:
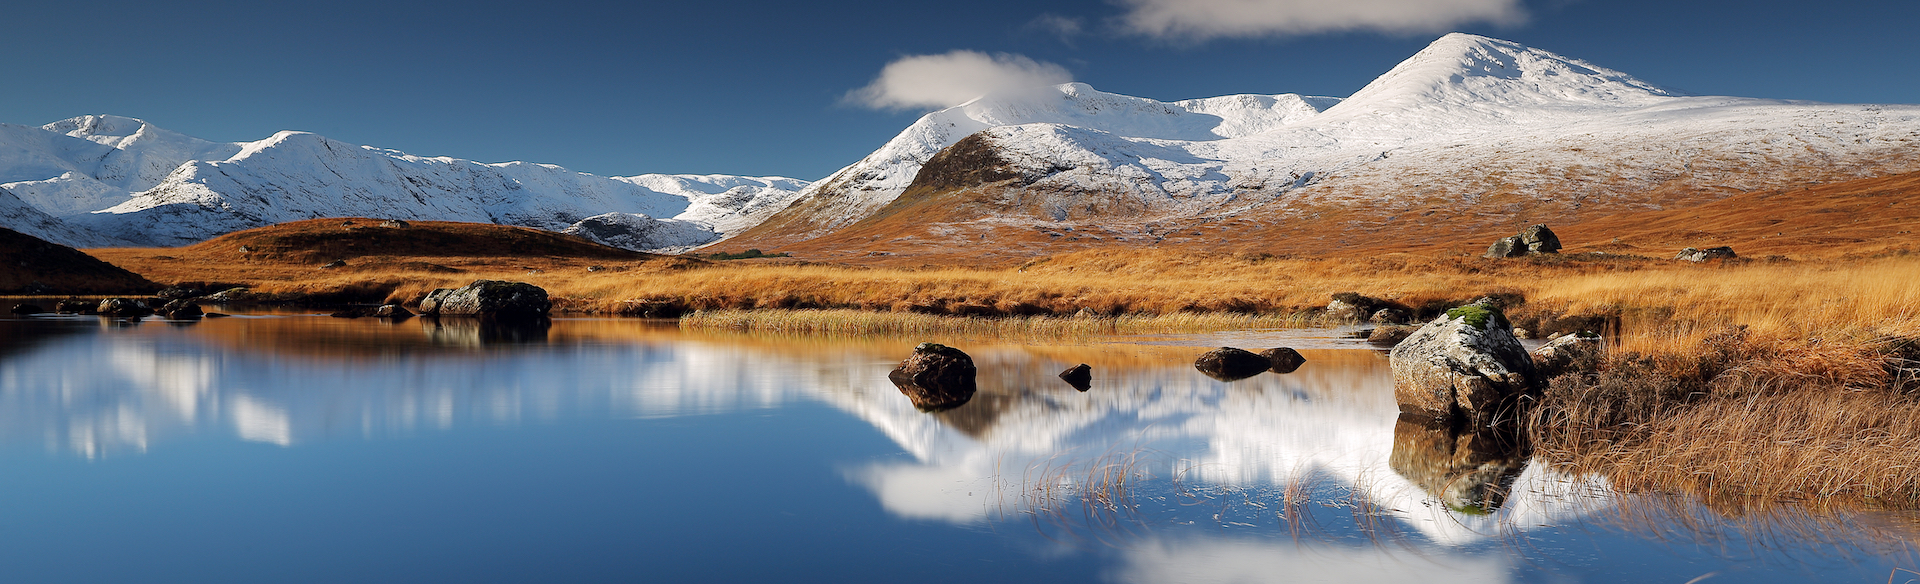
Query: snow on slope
[17,215]
[88,163]
[1466,116]
[874,181]
[724,203]
[129,181]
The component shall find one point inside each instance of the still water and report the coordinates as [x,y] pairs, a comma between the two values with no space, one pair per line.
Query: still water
[300,448]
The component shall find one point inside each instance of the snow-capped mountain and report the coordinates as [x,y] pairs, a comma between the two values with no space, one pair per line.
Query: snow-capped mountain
[865,186]
[124,180]
[1470,130]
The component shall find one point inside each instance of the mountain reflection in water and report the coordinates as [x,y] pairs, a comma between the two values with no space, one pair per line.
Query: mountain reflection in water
[1178,446]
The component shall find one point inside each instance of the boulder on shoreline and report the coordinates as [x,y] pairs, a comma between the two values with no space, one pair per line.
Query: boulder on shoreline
[123,307]
[1229,364]
[935,377]
[495,299]
[1466,364]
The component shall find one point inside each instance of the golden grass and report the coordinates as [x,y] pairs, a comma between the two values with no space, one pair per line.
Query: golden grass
[1745,423]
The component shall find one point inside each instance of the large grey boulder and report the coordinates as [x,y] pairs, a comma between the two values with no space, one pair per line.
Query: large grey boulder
[1465,364]
[494,299]
[935,377]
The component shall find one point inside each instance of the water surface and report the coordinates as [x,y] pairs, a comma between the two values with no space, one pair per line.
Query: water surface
[299,448]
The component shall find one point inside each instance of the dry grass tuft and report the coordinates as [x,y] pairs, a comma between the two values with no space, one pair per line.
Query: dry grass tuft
[1742,422]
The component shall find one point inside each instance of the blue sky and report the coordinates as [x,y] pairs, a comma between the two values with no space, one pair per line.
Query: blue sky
[761,88]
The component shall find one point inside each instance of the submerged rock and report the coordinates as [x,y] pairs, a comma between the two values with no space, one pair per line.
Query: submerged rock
[935,377]
[1465,364]
[1228,364]
[1283,360]
[1079,376]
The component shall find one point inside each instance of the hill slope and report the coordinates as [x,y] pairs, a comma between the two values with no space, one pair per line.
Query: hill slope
[30,265]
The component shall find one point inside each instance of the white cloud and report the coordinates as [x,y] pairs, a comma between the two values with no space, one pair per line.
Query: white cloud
[1206,19]
[919,81]
[1062,27]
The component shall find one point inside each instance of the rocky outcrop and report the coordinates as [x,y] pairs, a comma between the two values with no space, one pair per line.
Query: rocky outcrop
[1228,364]
[1283,360]
[1575,353]
[1701,255]
[1465,365]
[1079,376]
[1470,471]
[1533,240]
[494,299]
[935,377]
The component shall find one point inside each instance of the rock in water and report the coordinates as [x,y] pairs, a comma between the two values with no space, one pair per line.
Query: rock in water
[26,309]
[1465,364]
[1539,239]
[1079,376]
[75,306]
[123,307]
[1228,364]
[1575,353]
[1283,360]
[495,299]
[393,311]
[935,377]
[182,310]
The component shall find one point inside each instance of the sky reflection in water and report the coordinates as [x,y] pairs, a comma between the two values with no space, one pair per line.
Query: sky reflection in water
[609,449]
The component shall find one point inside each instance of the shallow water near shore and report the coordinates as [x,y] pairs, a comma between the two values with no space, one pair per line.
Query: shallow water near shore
[301,448]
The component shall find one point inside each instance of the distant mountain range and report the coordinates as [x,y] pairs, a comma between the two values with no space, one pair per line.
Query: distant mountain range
[108,180]
[1471,134]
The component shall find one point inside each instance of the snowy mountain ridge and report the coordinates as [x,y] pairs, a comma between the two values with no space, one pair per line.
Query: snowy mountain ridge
[118,180]
[1466,119]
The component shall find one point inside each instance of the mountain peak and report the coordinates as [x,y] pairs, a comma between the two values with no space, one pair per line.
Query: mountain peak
[1465,71]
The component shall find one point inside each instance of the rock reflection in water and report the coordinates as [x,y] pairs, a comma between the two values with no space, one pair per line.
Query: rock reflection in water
[477,332]
[1471,471]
